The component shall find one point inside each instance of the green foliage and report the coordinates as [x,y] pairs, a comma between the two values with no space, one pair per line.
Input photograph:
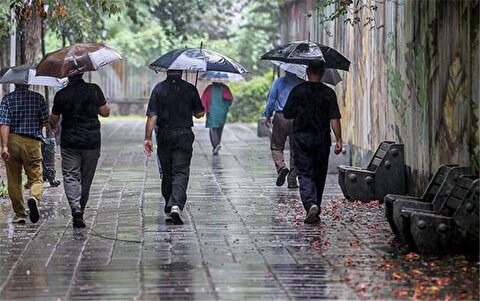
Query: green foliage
[257,33]
[249,98]
[353,12]
[4,20]
[3,190]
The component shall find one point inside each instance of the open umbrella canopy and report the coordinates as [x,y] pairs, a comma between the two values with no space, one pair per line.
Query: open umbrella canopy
[221,76]
[26,75]
[302,52]
[331,76]
[197,59]
[77,58]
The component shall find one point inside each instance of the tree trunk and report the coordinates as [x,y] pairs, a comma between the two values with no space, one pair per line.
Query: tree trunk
[29,33]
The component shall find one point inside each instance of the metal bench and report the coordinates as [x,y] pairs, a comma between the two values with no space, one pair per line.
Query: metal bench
[454,227]
[446,174]
[384,174]
[440,187]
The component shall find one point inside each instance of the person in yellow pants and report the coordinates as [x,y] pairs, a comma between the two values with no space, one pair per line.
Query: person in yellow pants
[23,113]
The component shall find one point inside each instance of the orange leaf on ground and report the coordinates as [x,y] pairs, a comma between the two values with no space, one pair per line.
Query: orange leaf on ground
[416,272]
[444,281]
[400,293]
[397,276]
[411,257]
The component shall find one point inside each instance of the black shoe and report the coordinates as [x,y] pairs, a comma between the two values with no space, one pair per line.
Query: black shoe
[175,215]
[312,215]
[282,174]
[78,221]
[33,206]
[292,184]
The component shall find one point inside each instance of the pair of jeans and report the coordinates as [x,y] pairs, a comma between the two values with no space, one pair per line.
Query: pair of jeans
[78,169]
[175,148]
[311,158]
[24,152]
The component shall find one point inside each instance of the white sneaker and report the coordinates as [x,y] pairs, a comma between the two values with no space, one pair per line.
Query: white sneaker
[216,150]
[175,215]
[19,220]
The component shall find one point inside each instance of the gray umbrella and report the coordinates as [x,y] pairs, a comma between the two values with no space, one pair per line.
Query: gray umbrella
[26,75]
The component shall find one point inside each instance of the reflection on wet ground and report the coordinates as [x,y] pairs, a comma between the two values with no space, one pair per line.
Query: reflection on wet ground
[244,238]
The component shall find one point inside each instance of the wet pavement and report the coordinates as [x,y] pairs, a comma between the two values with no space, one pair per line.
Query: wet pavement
[243,237]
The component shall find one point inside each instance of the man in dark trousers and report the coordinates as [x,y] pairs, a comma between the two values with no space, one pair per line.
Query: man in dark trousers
[79,104]
[313,107]
[171,106]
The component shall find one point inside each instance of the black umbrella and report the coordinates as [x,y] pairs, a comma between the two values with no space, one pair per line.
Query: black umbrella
[197,59]
[302,52]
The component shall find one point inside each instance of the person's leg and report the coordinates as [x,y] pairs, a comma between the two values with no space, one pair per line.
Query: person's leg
[181,158]
[71,164]
[292,175]
[32,163]
[164,152]
[278,140]
[88,168]
[215,139]
[14,178]
[321,170]
[304,163]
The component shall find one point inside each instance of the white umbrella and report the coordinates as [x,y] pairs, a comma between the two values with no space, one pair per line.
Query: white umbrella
[331,76]
[26,75]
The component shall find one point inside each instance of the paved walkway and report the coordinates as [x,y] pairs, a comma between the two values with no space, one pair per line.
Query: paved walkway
[244,238]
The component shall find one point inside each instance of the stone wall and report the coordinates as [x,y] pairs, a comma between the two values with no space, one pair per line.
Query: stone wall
[413,78]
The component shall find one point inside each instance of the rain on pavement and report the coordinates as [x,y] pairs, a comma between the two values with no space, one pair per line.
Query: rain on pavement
[243,237]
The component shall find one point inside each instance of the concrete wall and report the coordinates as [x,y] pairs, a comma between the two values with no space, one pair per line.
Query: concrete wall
[413,79]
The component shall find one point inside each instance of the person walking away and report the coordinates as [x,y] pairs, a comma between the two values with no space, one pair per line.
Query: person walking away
[282,128]
[23,114]
[314,108]
[216,100]
[171,106]
[79,105]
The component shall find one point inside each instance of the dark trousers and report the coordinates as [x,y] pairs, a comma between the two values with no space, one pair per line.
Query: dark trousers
[215,136]
[311,158]
[78,168]
[175,152]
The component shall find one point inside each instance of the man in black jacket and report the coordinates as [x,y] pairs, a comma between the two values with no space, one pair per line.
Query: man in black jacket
[171,106]
[313,107]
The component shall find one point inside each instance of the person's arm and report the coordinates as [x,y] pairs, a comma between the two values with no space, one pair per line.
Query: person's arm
[104,110]
[198,109]
[270,105]
[334,113]
[4,131]
[337,131]
[101,102]
[290,108]
[150,124]
[43,113]
[54,119]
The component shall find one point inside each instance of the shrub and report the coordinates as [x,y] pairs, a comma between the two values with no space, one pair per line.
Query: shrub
[249,98]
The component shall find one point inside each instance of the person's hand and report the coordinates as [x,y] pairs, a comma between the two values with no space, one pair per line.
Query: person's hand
[267,122]
[148,147]
[338,147]
[54,129]
[5,153]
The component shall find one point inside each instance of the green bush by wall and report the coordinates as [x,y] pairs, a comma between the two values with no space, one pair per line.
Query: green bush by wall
[249,98]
